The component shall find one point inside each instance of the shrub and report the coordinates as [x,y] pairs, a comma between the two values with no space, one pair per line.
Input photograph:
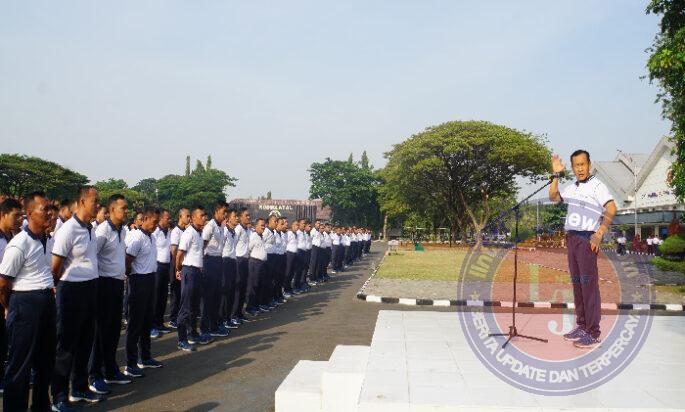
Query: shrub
[670,265]
[673,245]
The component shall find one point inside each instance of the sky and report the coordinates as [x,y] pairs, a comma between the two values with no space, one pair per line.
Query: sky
[128,89]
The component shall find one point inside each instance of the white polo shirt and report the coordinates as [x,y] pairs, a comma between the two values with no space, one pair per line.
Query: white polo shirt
[59,223]
[280,242]
[76,243]
[162,244]
[144,251]
[326,240]
[229,243]
[213,234]
[586,201]
[48,249]
[292,241]
[24,261]
[269,237]
[175,236]
[301,240]
[346,240]
[308,241]
[111,248]
[191,242]
[335,239]
[242,241]
[257,247]
[316,237]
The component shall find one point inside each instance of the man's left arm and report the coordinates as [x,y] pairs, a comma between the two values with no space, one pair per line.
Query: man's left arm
[609,213]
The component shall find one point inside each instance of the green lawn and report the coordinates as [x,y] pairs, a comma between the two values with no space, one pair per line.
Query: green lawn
[429,265]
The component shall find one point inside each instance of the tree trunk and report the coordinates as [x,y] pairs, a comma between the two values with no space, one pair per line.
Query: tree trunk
[385,227]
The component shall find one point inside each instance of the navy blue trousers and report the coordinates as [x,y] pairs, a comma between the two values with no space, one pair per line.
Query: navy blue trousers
[191,281]
[107,328]
[31,336]
[211,293]
[140,313]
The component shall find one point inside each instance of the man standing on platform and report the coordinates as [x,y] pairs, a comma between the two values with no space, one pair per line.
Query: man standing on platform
[588,200]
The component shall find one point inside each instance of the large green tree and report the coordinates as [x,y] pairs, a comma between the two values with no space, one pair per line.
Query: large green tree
[666,66]
[349,188]
[20,174]
[465,170]
[136,199]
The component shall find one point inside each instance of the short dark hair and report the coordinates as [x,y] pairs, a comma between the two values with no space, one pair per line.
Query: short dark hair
[150,211]
[242,211]
[181,210]
[31,197]
[8,205]
[230,211]
[580,152]
[163,210]
[220,205]
[52,207]
[197,207]
[114,198]
[259,219]
[83,191]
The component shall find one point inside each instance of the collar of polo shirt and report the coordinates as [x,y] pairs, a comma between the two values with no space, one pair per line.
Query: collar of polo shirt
[43,239]
[86,225]
[195,227]
[4,235]
[113,226]
[146,233]
[578,182]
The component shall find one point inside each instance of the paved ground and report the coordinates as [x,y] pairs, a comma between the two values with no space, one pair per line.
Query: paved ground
[242,372]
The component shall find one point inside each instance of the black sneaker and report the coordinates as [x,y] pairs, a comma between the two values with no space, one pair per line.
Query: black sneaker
[85,396]
[149,363]
[575,334]
[133,371]
[118,379]
[587,342]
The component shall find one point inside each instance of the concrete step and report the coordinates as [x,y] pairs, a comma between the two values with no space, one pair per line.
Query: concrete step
[343,377]
[300,391]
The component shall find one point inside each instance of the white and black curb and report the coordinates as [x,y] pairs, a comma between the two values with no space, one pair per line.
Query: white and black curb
[540,305]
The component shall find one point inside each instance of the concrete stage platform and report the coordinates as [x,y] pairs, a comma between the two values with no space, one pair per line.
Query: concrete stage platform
[421,361]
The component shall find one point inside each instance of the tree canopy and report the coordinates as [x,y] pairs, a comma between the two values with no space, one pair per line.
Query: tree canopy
[461,170]
[349,188]
[666,67]
[20,174]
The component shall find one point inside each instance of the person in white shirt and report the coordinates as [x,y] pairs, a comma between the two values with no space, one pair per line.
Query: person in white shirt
[347,244]
[175,284]
[100,217]
[338,250]
[650,244]
[277,296]
[10,219]
[229,271]
[316,253]
[266,283]
[309,259]
[621,241]
[257,267]
[66,210]
[189,262]
[214,237]
[301,262]
[162,239]
[326,253]
[291,256]
[141,266]
[589,201]
[26,283]
[111,255]
[242,252]
[74,259]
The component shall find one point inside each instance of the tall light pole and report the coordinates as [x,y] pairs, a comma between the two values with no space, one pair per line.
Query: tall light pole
[635,173]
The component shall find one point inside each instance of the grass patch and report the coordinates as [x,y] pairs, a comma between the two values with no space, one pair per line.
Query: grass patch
[429,265]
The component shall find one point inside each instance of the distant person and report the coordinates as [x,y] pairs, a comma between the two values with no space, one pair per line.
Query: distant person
[229,270]
[242,252]
[588,200]
[213,236]
[257,266]
[650,244]
[162,238]
[621,242]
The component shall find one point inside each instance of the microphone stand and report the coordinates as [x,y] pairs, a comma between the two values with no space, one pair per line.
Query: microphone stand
[513,332]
